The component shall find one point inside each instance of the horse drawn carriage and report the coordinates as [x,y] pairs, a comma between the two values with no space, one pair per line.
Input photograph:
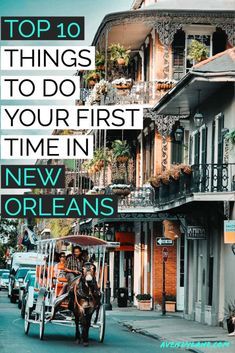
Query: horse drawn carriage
[82,303]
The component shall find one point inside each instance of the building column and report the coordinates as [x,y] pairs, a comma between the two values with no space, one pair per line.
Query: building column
[121,270]
[145,262]
[137,261]
[111,272]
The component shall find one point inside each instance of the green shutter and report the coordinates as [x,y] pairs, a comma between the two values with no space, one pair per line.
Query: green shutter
[204,145]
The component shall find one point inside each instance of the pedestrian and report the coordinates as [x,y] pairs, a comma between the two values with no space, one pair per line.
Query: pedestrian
[233,321]
[73,265]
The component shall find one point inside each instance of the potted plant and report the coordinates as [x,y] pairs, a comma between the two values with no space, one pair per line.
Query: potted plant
[165,84]
[119,54]
[121,151]
[170,303]
[174,183]
[164,186]
[120,189]
[230,136]
[197,51]
[185,177]
[91,77]
[100,61]
[143,301]
[229,312]
[123,83]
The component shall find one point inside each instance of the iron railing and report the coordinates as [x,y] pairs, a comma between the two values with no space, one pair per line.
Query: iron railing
[204,178]
[138,198]
[142,92]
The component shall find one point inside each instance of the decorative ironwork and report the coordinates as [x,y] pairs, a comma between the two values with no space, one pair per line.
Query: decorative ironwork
[204,178]
[164,125]
[168,22]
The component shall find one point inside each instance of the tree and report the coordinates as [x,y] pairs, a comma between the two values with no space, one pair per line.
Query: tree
[8,236]
[59,227]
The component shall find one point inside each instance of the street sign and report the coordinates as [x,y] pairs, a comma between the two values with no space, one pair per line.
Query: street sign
[164,254]
[229,232]
[164,242]
[195,232]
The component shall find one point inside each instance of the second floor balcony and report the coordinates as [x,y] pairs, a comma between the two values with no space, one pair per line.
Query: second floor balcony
[139,92]
[203,182]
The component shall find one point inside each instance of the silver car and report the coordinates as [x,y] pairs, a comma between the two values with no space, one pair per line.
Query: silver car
[4,280]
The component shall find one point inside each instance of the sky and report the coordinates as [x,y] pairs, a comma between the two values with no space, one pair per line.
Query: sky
[93,10]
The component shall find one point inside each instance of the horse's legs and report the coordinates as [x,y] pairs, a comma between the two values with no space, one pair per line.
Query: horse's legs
[77,332]
[86,319]
[96,314]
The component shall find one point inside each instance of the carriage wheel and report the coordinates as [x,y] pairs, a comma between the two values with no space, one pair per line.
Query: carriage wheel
[102,319]
[42,321]
[26,320]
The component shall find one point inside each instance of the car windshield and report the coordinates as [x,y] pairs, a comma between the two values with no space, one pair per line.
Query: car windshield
[22,273]
[5,275]
[28,276]
[3,271]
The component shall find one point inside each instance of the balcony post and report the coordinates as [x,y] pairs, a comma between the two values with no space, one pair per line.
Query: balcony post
[106,52]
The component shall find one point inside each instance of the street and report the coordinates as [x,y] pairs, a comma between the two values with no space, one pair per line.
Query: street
[61,339]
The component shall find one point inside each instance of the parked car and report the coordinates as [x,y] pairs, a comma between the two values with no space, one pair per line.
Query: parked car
[16,281]
[3,270]
[4,280]
[23,285]
[29,291]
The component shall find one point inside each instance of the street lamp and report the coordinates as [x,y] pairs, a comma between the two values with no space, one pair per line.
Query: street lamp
[179,134]
[109,235]
[198,117]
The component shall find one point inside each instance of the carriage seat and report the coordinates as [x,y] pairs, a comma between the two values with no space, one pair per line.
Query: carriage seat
[60,281]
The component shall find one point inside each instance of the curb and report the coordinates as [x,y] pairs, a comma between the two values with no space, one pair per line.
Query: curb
[150,335]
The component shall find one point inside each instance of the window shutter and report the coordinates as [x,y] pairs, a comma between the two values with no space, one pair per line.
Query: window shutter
[204,145]
[220,139]
[196,147]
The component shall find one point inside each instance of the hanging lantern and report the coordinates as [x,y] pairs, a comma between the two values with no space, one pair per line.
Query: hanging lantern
[198,119]
[179,134]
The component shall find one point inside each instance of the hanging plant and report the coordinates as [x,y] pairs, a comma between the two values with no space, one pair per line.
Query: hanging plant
[101,158]
[119,54]
[100,61]
[230,136]
[197,51]
[121,151]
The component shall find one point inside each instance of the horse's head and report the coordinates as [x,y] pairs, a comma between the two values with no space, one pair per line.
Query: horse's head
[88,271]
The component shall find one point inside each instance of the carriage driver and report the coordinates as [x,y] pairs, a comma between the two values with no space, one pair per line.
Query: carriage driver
[73,265]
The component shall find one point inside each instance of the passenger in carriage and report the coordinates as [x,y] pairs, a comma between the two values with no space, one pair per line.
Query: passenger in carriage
[59,268]
[74,265]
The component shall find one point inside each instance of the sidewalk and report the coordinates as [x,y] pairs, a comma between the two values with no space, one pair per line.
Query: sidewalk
[173,328]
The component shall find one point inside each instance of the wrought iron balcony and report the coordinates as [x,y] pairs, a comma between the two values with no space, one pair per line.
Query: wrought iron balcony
[142,92]
[138,198]
[204,178]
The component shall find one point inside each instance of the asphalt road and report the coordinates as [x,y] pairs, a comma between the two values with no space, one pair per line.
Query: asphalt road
[61,339]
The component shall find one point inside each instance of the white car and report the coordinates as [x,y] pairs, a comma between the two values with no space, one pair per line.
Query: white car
[23,285]
[4,280]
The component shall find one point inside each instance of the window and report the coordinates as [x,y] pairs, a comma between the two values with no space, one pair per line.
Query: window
[202,34]
[205,39]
